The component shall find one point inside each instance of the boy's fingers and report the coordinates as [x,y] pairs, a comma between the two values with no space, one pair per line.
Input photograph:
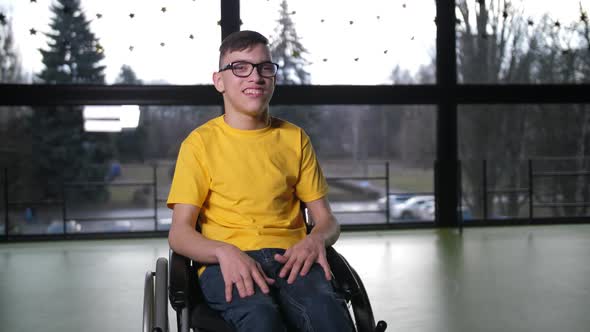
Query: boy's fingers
[306,267]
[228,289]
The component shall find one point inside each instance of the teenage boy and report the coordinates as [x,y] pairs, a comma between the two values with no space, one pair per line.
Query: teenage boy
[244,174]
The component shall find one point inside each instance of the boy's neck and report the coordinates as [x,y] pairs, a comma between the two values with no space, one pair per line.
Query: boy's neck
[246,122]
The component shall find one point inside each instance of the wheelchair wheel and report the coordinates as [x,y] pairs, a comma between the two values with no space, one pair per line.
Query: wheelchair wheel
[361,307]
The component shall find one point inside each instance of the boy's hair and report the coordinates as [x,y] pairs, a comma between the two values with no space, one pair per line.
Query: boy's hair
[239,41]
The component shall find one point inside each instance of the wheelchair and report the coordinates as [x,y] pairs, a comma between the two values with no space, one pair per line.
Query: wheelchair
[176,279]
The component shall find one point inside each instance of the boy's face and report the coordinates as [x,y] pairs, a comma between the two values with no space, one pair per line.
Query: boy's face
[247,95]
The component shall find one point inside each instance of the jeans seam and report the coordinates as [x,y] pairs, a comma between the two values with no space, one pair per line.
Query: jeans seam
[301,309]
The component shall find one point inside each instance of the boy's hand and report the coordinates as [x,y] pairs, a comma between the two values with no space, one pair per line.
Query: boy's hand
[240,269]
[300,258]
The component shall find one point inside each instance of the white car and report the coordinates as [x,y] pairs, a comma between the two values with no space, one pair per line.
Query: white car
[411,208]
[394,201]
[426,211]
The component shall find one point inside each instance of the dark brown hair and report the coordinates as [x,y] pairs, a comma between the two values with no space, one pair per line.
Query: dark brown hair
[239,41]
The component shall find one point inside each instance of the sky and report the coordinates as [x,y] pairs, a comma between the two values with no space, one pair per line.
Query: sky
[348,42]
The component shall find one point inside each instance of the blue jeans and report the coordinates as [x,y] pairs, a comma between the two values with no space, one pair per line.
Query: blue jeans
[309,304]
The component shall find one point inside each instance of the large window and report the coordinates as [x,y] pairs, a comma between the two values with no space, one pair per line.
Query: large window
[368,150]
[525,161]
[130,42]
[385,130]
[347,42]
[88,169]
[523,41]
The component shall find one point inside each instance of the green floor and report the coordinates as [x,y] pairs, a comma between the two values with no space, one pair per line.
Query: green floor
[487,279]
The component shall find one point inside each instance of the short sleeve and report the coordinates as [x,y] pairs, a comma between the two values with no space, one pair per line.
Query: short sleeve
[311,184]
[191,181]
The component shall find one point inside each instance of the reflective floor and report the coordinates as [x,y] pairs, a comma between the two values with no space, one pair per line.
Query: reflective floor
[487,279]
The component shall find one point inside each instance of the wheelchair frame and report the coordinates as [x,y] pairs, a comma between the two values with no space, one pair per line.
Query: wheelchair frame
[178,281]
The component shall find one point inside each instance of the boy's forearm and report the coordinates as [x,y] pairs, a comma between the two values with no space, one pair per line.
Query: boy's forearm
[190,243]
[328,230]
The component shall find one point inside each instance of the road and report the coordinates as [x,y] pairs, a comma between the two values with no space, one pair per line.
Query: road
[142,219]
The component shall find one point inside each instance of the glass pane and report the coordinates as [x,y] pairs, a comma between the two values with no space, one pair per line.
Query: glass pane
[523,41]
[118,181]
[137,42]
[347,42]
[112,177]
[513,147]
[367,150]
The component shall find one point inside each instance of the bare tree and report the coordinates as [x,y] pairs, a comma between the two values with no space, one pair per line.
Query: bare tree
[497,44]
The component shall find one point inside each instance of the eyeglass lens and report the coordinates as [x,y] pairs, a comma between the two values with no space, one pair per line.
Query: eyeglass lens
[244,69]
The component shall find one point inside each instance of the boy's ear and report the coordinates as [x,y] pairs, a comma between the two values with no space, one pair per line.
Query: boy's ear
[218,82]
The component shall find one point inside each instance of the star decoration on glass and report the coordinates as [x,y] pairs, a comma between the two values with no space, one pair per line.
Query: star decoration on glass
[32,31]
[325,59]
[163,9]
[131,48]
[322,20]
[351,22]
[530,22]
[385,52]
[293,12]
[131,15]
[191,36]
[404,5]
[378,17]
[412,38]
[2,19]
[296,54]
[505,14]
[162,44]
[99,15]
[557,24]
[356,59]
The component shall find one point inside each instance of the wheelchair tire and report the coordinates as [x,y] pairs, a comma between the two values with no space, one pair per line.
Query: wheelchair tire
[361,307]
[161,298]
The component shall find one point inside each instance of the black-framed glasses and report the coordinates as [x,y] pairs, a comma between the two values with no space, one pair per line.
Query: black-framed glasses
[244,68]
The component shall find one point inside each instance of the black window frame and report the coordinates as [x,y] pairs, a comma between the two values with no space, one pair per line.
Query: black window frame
[446,94]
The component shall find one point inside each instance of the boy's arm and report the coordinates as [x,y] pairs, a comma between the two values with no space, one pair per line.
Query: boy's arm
[300,258]
[236,266]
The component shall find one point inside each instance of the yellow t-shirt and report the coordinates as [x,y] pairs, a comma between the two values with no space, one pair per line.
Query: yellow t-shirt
[248,183]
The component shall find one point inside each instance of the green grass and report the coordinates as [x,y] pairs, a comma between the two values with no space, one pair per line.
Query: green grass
[411,180]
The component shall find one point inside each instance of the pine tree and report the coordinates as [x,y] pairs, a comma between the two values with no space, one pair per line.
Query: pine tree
[74,52]
[63,151]
[288,52]
[127,76]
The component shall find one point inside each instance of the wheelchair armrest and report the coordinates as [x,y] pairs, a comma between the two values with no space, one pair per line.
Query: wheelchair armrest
[180,281]
[184,292]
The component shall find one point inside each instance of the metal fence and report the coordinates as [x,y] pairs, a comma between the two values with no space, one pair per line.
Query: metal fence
[152,219]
